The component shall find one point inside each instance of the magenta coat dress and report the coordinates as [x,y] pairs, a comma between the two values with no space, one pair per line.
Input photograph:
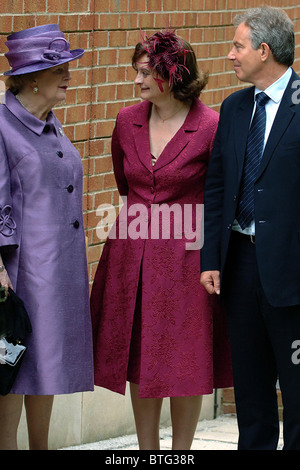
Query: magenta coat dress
[42,243]
[147,271]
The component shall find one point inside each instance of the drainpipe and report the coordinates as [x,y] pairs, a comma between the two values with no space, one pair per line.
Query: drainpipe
[215,403]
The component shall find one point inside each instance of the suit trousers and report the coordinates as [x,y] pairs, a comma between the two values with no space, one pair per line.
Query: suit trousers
[262,339]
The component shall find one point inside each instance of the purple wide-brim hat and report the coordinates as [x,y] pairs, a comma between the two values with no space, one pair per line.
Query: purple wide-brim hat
[38,48]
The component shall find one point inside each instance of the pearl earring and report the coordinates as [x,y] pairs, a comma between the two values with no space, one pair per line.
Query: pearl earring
[35,90]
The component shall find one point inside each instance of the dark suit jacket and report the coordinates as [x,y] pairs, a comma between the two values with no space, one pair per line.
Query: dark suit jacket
[276,194]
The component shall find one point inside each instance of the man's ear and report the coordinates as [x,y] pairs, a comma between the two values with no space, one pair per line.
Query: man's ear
[265,51]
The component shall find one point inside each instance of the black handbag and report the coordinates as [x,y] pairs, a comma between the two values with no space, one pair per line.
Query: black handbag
[14,327]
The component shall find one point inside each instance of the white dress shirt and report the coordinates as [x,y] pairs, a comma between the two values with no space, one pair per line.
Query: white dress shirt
[275,92]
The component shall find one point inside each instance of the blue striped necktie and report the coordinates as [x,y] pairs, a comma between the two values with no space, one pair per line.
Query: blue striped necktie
[255,145]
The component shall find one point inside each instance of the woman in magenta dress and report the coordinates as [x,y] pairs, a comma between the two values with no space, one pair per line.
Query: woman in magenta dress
[154,325]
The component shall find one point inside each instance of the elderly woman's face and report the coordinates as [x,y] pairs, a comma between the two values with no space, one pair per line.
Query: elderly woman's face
[53,83]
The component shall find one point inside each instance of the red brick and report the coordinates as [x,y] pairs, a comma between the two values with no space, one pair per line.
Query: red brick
[116,74]
[76,114]
[23,22]
[101,39]
[109,21]
[149,20]
[101,5]
[78,5]
[137,5]
[34,6]
[96,183]
[11,6]
[119,6]
[117,39]
[82,132]
[154,5]
[5,26]
[108,56]
[46,19]
[85,22]
[129,21]
[96,147]
[103,164]
[98,111]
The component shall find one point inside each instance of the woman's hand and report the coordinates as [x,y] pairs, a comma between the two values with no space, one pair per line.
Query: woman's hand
[5,281]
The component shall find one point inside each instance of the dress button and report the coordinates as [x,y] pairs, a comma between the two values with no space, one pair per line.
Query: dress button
[76,224]
[59,154]
[70,188]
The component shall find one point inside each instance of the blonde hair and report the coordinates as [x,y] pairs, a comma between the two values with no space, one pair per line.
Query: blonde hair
[15,83]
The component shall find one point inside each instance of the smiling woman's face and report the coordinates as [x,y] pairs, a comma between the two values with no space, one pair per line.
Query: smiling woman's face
[151,86]
[53,83]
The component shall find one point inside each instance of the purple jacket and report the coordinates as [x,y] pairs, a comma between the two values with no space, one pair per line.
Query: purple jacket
[43,247]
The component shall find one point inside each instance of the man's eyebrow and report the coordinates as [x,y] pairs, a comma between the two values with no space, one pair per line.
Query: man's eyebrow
[237,43]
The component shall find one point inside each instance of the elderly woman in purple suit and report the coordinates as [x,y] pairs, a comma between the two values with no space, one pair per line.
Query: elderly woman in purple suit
[153,323]
[42,242]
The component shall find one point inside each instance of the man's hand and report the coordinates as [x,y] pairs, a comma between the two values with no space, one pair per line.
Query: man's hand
[211,281]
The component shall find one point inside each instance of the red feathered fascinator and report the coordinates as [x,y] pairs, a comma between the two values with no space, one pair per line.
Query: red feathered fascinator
[165,50]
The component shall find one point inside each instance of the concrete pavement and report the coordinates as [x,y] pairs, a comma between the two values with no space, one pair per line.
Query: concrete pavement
[217,434]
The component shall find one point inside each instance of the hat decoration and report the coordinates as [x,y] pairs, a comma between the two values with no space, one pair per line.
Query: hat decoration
[164,50]
[58,49]
[38,48]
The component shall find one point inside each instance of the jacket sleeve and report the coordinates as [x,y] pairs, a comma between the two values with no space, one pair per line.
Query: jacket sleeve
[118,159]
[8,229]
[213,206]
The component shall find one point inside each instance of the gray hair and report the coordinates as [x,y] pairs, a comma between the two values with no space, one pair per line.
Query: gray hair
[274,27]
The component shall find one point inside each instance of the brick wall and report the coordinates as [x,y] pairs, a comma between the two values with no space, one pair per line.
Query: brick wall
[102,81]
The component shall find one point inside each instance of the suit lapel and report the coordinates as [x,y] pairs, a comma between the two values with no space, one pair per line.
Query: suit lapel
[181,138]
[174,147]
[241,129]
[282,120]
[141,134]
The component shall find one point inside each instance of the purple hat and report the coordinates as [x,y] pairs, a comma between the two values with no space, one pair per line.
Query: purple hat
[38,48]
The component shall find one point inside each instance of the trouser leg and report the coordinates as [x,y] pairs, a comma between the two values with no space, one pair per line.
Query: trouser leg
[254,364]
[284,330]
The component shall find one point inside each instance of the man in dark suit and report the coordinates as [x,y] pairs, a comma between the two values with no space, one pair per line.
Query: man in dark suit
[251,252]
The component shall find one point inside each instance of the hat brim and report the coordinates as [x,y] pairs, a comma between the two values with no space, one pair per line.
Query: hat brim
[37,66]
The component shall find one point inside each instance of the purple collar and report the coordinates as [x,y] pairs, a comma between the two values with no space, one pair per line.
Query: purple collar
[25,117]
